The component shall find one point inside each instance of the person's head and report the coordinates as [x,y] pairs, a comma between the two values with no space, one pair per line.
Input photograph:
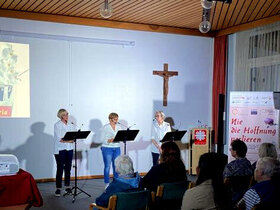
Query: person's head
[124,166]
[238,148]
[160,116]
[267,150]
[266,167]
[113,118]
[210,167]
[62,114]
[170,152]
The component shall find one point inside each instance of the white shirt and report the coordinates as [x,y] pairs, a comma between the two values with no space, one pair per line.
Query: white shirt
[199,197]
[108,133]
[59,131]
[158,132]
[251,198]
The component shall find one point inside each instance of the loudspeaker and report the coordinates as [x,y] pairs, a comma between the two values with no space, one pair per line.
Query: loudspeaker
[221,123]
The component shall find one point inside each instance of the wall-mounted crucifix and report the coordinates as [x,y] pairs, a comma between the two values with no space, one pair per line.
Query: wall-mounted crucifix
[165,74]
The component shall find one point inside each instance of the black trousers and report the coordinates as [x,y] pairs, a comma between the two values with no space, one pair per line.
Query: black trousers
[63,162]
[155,158]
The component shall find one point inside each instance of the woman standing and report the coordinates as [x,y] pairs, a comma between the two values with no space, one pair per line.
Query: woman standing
[63,151]
[159,129]
[110,149]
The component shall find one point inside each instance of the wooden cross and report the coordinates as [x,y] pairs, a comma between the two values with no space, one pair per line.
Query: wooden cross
[165,74]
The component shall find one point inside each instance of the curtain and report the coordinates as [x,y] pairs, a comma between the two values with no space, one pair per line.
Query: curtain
[257,59]
[219,75]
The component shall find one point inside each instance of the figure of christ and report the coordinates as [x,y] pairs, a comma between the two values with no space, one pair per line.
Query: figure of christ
[165,74]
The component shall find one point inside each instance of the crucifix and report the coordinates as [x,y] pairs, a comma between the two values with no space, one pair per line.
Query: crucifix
[165,74]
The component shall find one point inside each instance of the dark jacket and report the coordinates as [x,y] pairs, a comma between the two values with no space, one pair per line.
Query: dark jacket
[164,173]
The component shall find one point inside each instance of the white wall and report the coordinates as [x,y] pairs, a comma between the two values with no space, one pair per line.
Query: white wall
[92,79]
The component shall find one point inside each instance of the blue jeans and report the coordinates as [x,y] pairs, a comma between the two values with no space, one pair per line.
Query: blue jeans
[109,155]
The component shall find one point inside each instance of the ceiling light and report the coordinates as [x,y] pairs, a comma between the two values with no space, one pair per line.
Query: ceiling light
[204,26]
[106,9]
[207,4]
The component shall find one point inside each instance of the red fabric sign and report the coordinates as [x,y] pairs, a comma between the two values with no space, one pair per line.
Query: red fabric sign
[19,189]
[200,136]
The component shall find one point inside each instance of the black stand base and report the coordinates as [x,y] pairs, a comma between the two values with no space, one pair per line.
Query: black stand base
[75,194]
[73,136]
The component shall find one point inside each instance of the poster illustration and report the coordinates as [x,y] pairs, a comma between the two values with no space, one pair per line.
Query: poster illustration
[14,80]
[254,120]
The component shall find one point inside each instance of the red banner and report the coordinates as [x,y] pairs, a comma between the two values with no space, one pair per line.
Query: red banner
[5,111]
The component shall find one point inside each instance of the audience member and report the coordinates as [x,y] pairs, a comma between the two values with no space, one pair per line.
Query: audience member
[266,192]
[170,168]
[209,192]
[241,166]
[127,180]
[238,173]
[266,150]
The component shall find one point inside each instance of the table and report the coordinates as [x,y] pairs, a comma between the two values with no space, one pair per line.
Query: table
[19,189]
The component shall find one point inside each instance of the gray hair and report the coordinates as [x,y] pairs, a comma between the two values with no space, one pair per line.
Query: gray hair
[267,150]
[61,112]
[124,165]
[161,113]
[268,166]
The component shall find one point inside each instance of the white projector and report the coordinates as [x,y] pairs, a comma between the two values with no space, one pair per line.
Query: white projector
[8,164]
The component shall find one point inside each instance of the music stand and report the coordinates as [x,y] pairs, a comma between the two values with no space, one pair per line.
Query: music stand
[74,135]
[173,136]
[124,136]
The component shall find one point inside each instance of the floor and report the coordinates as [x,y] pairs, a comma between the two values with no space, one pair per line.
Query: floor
[94,187]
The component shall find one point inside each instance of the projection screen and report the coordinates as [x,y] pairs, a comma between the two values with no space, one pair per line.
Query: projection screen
[14,80]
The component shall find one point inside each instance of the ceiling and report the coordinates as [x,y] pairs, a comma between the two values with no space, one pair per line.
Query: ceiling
[171,16]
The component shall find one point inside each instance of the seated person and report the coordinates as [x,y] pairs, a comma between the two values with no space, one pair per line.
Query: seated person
[266,150]
[209,192]
[266,191]
[238,173]
[170,168]
[127,180]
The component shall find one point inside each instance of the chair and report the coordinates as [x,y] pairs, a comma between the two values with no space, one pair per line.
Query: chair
[191,185]
[169,195]
[126,200]
[238,185]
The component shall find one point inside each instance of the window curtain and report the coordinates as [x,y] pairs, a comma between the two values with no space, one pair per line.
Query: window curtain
[219,75]
[257,59]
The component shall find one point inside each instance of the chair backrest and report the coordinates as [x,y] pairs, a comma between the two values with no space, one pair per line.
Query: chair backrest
[169,195]
[172,191]
[238,185]
[240,182]
[133,200]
